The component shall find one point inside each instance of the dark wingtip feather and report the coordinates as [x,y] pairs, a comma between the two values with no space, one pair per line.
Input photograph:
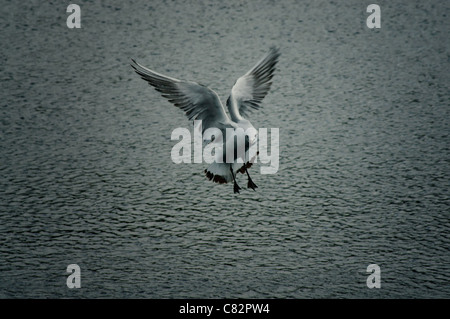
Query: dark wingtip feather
[215,178]
[134,65]
[275,50]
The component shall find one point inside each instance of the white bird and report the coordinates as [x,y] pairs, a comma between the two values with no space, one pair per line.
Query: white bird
[202,103]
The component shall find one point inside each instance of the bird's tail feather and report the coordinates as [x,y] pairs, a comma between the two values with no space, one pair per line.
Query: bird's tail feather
[221,173]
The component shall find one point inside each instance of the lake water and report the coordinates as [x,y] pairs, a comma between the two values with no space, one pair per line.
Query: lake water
[86,176]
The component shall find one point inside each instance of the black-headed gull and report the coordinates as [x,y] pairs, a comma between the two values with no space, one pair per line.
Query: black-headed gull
[201,103]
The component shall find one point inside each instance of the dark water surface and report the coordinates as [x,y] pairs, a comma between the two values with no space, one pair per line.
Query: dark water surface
[86,175]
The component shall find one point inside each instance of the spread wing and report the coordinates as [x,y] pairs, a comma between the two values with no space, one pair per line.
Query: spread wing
[197,101]
[251,88]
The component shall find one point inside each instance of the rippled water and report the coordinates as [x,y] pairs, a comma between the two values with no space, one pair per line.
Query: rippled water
[86,175]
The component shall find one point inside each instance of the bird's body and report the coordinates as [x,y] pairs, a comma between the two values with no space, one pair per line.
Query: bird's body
[201,103]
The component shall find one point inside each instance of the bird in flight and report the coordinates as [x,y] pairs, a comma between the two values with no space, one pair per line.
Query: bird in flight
[203,104]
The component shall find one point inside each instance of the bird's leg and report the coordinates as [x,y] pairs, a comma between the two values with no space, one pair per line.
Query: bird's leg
[250,183]
[236,187]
